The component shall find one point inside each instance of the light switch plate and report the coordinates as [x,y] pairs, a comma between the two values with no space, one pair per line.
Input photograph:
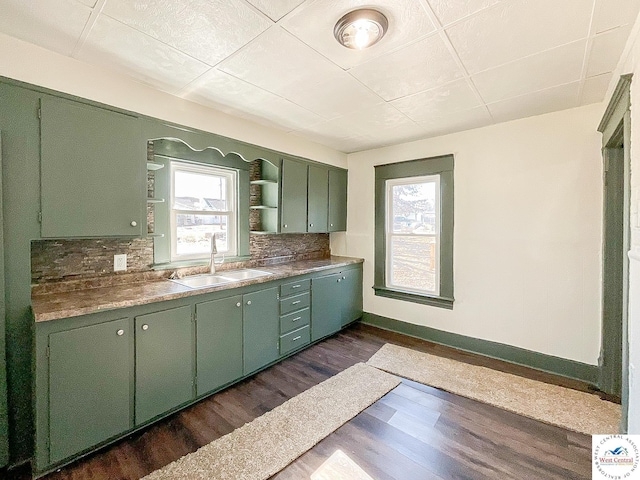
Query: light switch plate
[120,263]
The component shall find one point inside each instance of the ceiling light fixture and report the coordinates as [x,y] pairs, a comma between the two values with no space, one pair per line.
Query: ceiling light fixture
[360,29]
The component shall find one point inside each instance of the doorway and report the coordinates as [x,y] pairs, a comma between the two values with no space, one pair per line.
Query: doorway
[616,129]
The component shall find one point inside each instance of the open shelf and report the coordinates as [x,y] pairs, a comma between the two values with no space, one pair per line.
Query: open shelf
[263,182]
[154,165]
[262,207]
[155,200]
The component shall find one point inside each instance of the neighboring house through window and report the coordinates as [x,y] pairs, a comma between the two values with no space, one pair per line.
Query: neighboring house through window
[414,231]
[203,203]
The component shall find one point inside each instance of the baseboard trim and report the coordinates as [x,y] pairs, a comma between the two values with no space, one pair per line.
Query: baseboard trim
[520,356]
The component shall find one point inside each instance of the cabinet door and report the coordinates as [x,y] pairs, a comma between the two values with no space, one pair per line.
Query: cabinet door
[318,201]
[351,293]
[261,329]
[219,343]
[294,197]
[89,394]
[326,308]
[92,165]
[337,200]
[164,362]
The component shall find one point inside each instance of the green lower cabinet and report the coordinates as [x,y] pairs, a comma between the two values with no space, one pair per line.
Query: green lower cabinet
[164,362]
[89,386]
[219,343]
[261,329]
[326,307]
[351,293]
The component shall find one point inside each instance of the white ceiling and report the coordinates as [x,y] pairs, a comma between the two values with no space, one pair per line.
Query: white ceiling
[444,66]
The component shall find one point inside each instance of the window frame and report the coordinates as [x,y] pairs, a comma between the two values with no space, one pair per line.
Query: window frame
[389,233]
[442,166]
[231,213]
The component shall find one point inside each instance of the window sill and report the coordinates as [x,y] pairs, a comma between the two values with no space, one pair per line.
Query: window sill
[442,302]
[198,263]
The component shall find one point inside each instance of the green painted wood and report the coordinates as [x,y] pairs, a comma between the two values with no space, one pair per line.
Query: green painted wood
[293,205]
[292,288]
[4,415]
[547,363]
[92,165]
[164,362]
[296,302]
[337,200]
[442,166]
[218,343]
[326,305]
[352,295]
[318,200]
[295,320]
[21,203]
[88,386]
[261,329]
[294,340]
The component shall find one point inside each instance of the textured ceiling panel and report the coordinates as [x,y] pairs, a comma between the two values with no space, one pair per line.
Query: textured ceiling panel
[544,101]
[336,96]
[279,62]
[53,24]
[412,69]
[423,106]
[555,67]
[456,122]
[275,9]
[612,13]
[373,119]
[89,3]
[114,45]
[448,11]
[606,50]
[517,28]
[313,24]
[595,88]
[208,30]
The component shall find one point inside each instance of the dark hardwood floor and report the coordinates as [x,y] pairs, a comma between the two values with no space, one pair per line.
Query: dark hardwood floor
[414,432]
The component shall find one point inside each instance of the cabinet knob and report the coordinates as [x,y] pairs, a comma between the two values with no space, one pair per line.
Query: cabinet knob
[238,304]
[285,226]
[145,327]
[332,224]
[339,280]
[248,302]
[344,278]
[311,224]
[120,332]
[134,223]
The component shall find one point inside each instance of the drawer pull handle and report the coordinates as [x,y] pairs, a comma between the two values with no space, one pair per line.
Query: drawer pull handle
[296,302]
[297,338]
[120,332]
[296,319]
[296,286]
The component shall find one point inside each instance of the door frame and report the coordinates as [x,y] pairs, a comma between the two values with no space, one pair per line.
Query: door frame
[615,127]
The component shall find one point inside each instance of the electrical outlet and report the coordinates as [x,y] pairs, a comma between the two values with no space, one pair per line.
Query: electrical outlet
[120,263]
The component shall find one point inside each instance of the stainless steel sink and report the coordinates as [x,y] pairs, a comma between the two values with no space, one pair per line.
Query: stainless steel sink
[212,280]
[244,274]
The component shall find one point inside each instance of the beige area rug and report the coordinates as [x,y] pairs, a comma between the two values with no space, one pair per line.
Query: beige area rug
[578,411]
[272,441]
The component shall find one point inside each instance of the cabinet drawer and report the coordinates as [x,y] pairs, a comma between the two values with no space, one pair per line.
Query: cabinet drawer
[294,340]
[294,320]
[291,304]
[294,288]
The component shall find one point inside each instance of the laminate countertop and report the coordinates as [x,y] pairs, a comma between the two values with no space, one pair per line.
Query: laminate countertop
[53,306]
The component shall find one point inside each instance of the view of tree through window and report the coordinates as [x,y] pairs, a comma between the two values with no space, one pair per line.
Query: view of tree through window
[202,204]
[413,234]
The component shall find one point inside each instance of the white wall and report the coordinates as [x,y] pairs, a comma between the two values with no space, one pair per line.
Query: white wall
[630,63]
[29,63]
[528,228]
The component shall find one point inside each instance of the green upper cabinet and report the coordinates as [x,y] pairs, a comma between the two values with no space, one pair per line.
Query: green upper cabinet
[293,217]
[219,343]
[337,200]
[261,329]
[89,386]
[92,171]
[164,362]
[318,198]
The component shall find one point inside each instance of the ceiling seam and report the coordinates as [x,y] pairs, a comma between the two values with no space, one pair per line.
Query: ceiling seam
[587,53]
[91,21]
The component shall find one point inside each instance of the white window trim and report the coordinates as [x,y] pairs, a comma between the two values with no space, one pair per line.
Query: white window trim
[231,214]
[389,216]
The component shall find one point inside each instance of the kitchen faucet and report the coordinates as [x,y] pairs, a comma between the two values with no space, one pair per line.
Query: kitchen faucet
[214,250]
